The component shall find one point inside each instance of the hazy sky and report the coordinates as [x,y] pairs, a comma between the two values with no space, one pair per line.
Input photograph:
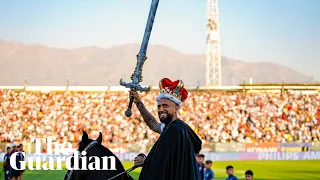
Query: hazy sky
[281,31]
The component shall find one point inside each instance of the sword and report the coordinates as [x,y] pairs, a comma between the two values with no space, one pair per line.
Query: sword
[136,77]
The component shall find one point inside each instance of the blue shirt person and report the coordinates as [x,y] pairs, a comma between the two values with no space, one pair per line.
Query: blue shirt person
[6,164]
[230,173]
[18,159]
[209,174]
[13,172]
[200,160]
[249,175]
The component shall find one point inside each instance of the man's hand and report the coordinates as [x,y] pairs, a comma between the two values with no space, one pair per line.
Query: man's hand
[146,115]
[139,160]
[135,95]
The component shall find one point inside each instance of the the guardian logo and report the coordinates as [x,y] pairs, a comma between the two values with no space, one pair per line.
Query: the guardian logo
[62,152]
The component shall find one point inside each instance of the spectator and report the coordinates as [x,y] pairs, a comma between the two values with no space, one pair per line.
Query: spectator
[230,172]
[6,164]
[21,157]
[15,174]
[249,175]
[200,160]
[209,175]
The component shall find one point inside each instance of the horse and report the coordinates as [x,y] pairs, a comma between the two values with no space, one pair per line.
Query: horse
[95,148]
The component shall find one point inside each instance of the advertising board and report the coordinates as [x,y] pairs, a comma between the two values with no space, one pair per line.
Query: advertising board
[295,147]
[261,147]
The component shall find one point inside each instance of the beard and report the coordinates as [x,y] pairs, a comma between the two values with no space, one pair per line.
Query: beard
[166,120]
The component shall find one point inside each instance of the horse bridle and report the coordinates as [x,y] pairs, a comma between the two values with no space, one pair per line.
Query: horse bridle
[88,147]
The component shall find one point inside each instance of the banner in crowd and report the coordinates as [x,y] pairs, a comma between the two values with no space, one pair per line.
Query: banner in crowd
[277,147]
[230,147]
[315,146]
[229,156]
[295,147]
[261,147]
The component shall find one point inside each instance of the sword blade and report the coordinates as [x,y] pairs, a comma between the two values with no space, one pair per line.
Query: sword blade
[141,57]
[149,25]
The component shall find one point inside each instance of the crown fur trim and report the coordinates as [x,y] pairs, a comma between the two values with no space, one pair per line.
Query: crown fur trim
[173,91]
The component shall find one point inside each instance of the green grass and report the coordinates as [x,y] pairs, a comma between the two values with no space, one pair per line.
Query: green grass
[271,170]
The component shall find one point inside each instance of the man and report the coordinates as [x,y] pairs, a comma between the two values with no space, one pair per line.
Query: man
[230,172]
[209,175]
[249,175]
[173,155]
[6,164]
[14,175]
[200,160]
[21,158]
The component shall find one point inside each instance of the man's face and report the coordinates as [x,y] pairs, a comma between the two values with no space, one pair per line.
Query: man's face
[200,160]
[9,150]
[230,171]
[197,158]
[166,110]
[249,177]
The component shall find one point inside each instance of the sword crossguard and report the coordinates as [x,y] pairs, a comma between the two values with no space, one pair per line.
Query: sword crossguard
[134,86]
[136,78]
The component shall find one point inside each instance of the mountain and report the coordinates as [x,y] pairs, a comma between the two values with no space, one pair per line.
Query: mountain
[96,66]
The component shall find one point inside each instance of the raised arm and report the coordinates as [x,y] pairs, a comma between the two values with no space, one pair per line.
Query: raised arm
[149,118]
[146,115]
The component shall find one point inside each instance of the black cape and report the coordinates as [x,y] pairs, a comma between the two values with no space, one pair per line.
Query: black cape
[172,157]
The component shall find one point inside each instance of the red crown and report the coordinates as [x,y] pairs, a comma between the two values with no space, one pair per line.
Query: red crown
[174,91]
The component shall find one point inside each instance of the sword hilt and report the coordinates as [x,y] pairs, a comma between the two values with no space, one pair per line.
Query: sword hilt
[136,78]
[128,112]
[135,87]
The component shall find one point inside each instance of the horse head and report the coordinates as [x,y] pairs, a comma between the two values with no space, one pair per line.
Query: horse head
[98,157]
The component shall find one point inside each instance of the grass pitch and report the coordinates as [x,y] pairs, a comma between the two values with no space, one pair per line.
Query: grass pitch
[263,170]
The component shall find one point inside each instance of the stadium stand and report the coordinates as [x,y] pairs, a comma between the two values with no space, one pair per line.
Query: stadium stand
[215,116]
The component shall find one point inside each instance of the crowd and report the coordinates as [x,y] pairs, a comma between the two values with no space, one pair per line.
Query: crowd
[215,116]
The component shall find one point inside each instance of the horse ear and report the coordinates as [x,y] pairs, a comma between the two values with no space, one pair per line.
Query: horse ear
[84,136]
[99,139]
